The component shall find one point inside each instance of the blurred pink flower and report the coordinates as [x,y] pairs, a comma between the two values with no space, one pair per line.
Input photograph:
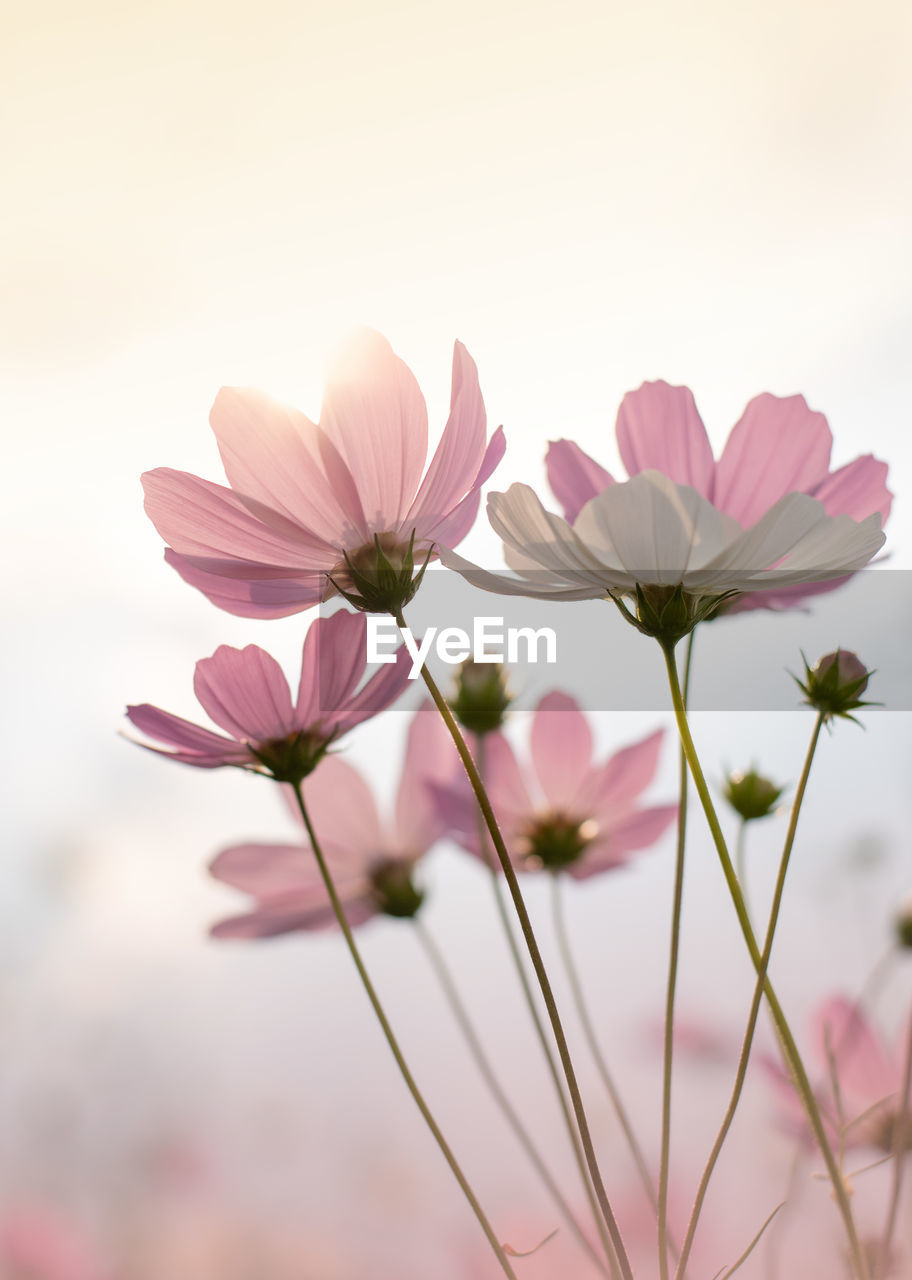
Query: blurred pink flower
[371,861]
[778,446]
[868,1073]
[303,496]
[567,813]
[245,693]
[39,1244]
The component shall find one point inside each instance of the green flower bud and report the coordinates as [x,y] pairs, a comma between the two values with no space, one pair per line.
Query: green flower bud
[833,685]
[393,890]
[482,696]
[751,795]
[904,926]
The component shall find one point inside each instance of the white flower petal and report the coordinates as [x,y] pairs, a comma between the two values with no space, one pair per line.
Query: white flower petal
[654,528]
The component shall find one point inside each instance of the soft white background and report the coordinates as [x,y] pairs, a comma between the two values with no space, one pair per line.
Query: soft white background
[587,196]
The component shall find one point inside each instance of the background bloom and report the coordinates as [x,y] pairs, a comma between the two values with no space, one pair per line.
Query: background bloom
[869,1075]
[778,446]
[567,812]
[244,691]
[371,861]
[303,496]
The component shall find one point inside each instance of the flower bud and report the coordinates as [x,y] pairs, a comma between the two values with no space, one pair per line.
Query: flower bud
[482,696]
[904,926]
[833,685]
[751,795]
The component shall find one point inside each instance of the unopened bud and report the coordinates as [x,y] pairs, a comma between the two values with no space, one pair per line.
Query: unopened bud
[833,685]
[751,795]
[482,696]
[904,926]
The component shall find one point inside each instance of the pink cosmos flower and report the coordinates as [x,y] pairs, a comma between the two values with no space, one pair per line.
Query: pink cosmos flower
[38,1244]
[371,862]
[568,813]
[869,1076]
[309,502]
[245,693]
[778,446]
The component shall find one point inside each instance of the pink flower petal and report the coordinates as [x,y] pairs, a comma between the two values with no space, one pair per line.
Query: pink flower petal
[344,815]
[659,429]
[245,692]
[198,518]
[636,831]
[374,412]
[380,692]
[454,526]
[192,744]
[430,756]
[574,477]
[622,777]
[248,590]
[267,871]
[457,460]
[561,744]
[857,490]
[862,1063]
[288,915]
[778,446]
[277,457]
[332,662]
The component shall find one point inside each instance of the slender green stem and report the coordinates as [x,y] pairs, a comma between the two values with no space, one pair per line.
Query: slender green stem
[900,1139]
[757,999]
[563,942]
[499,1094]
[787,1040]
[741,860]
[544,983]
[394,1044]
[535,1015]
[671,989]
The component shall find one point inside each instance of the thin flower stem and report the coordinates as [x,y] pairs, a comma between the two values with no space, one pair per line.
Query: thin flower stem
[553,1068]
[544,983]
[563,942]
[671,989]
[787,1040]
[394,1044]
[741,860]
[900,1138]
[461,1014]
[747,1043]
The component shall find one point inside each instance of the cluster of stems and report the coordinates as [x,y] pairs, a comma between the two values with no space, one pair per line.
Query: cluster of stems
[610,1255]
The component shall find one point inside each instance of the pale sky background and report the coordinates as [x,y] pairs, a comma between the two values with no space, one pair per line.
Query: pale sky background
[587,195]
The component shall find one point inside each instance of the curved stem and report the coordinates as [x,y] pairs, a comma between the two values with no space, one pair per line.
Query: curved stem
[553,1069]
[563,942]
[787,1040]
[544,983]
[900,1138]
[460,1013]
[671,989]
[394,1045]
[757,998]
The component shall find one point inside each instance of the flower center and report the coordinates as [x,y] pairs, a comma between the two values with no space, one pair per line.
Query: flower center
[379,576]
[393,889]
[292,758]
[556,841]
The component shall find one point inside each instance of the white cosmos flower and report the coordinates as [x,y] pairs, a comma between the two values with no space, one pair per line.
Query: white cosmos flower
[651,532]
